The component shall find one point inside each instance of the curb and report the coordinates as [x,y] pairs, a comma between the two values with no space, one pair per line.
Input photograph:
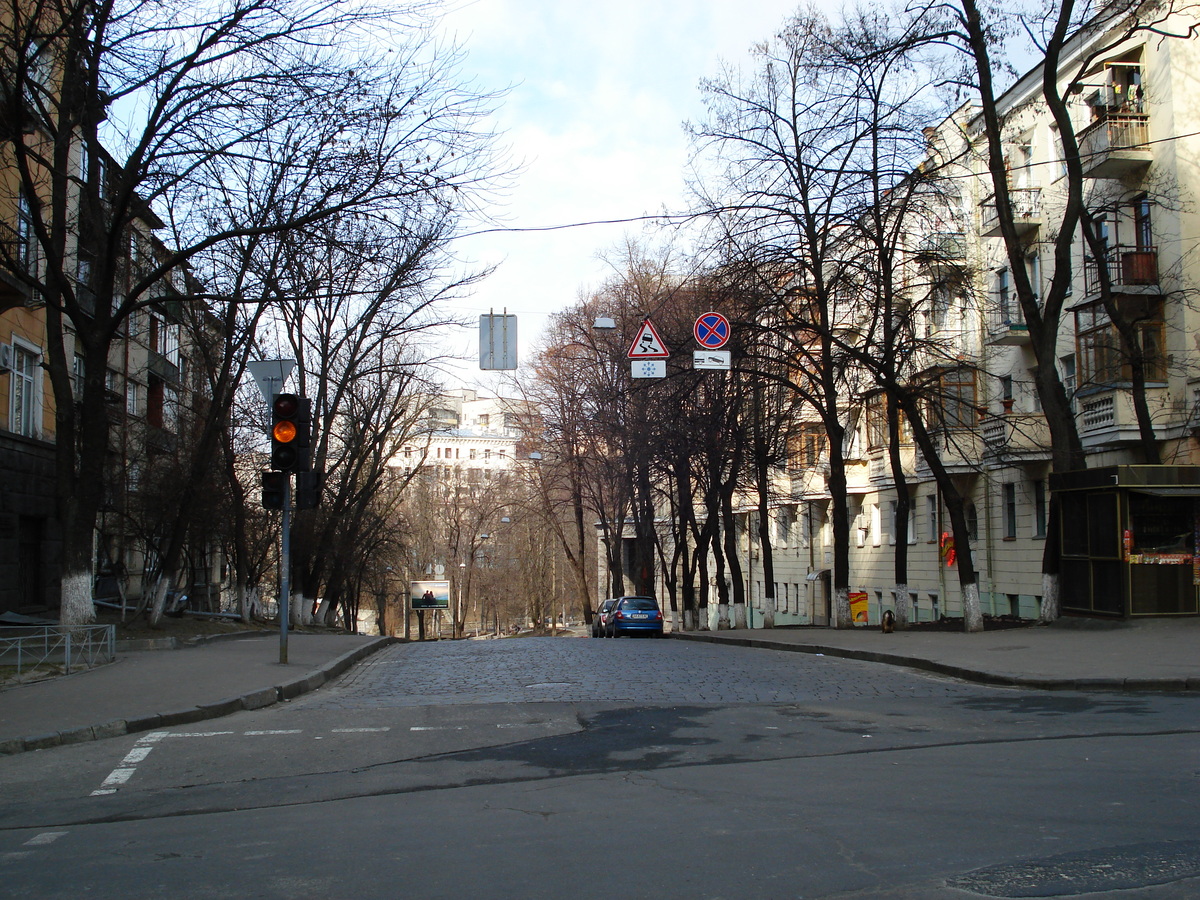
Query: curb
[257,699]
[1106,685]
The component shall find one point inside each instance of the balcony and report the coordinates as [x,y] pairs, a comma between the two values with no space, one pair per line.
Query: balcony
[1006,325]
[942,255]
[1115,145]
[1026,208]
[1127,267]
[1107,417]
[960,450]
[1015,437]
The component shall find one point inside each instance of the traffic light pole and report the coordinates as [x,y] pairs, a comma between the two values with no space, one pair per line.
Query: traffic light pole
[285,565]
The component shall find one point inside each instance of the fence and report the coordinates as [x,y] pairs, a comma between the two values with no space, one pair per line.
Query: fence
[72,648]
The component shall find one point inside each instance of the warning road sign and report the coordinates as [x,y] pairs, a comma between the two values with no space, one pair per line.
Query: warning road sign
[712,331]
[647,344]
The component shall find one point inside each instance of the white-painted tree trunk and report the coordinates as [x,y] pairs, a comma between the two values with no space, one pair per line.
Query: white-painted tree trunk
[769,613]
[739,615]
[322,615]
[76,606]
[841,609]
[722,617]
[675,620]
[972,611]
[689,620]
[1050,599]
[900,597]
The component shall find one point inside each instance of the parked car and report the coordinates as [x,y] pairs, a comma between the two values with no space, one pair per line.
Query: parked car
[635,615]
[600,620]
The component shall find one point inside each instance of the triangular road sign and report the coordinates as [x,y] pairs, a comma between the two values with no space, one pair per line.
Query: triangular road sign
[647,344]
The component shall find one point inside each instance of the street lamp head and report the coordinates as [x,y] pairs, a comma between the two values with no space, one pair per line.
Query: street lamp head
[604,323]
[535,456]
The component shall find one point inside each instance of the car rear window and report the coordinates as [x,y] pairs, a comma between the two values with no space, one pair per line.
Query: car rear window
[639,603]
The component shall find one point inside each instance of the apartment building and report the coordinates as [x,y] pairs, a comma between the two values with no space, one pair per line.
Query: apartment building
[1128,530]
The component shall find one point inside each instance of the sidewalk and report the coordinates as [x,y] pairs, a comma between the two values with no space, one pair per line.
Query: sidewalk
[1071,654]
[156,688]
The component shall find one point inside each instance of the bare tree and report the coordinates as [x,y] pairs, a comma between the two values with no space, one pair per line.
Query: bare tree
[199,116]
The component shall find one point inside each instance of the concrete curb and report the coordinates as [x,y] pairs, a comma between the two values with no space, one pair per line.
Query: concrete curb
[257,699]
[1133,685]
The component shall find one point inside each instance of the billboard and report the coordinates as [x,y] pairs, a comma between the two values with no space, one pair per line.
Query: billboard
[430,594]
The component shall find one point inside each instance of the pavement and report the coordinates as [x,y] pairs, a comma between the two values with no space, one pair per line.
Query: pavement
[149,688]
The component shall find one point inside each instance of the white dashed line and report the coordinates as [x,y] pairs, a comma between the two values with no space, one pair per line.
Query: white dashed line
[128,766]
[438,728]
[280,731]
[359,730]
[46,837]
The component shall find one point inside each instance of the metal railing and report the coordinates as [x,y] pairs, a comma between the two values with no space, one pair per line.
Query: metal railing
[81,647]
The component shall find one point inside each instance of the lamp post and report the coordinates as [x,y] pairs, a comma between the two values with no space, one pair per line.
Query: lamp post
[462,571]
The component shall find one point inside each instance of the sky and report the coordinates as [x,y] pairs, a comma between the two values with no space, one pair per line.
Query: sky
[600,90]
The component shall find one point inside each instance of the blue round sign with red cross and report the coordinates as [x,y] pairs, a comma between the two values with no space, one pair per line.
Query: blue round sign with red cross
[712,330]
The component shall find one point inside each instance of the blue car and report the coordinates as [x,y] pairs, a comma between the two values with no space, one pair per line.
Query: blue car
[635,615]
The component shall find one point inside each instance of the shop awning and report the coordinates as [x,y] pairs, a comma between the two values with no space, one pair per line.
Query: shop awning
[813,576]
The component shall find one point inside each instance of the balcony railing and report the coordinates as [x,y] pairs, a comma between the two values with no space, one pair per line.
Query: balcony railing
[1006,324]
[1015,435]
[1126,267]
[1026,209]
[1115,145]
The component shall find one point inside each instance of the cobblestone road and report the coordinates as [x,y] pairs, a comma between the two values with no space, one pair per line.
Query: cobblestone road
[637,671]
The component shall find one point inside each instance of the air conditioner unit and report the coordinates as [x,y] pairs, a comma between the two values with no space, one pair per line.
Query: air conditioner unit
[5,357]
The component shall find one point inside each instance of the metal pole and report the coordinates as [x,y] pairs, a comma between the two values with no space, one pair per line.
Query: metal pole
[285,566]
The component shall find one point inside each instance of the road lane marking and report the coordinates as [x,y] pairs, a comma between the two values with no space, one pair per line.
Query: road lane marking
[124,771]
[438,728]
[360,730]
[279,731]
[46,837]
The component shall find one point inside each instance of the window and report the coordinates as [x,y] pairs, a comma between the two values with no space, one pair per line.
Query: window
[1033,266]
[954,405]
[131,397]
[1010,510]
[972,516]
[484,420]
[1039,508]
[77,377]
[487,454]
[23,406]
[931,511]
[1143,234]
[472,453]
[1004,298]
[876,525]
[27,244]
[810,445]
[877,426]
[1066,366]
[1098,347]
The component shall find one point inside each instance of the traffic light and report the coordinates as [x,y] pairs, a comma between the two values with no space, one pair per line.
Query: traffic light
[289,431]
[274,489]
[308,489]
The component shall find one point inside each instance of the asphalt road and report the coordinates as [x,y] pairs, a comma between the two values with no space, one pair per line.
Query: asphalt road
[549,768]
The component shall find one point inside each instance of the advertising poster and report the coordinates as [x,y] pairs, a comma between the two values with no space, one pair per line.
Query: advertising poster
[858,606]
[430,594]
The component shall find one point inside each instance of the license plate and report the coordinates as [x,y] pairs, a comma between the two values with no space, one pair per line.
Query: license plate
[639,616]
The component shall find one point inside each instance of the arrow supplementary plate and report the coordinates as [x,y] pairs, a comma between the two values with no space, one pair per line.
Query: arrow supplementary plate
[647,344]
